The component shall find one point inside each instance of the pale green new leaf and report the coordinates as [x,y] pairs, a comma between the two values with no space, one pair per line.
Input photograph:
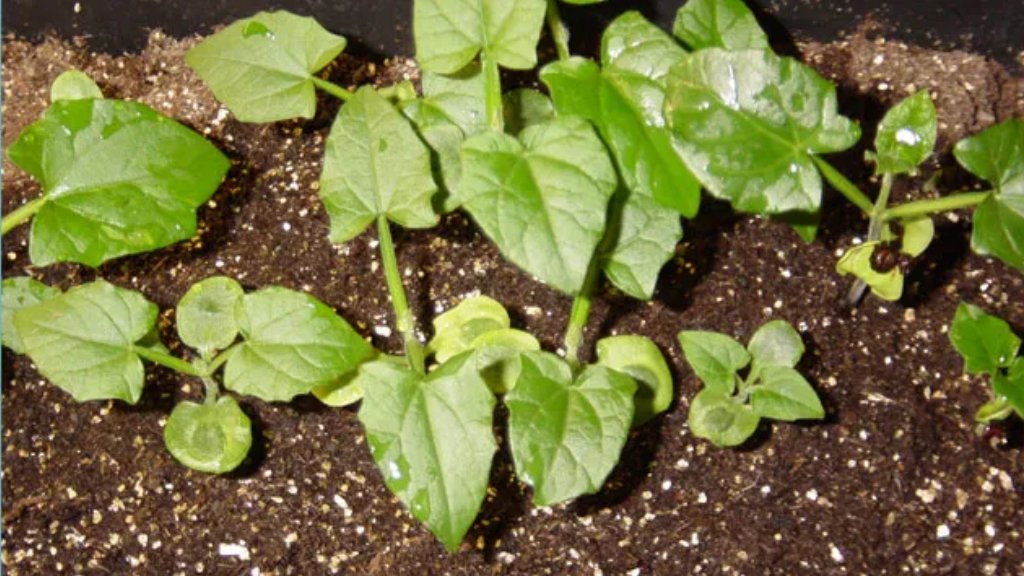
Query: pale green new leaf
[716,416]
[783,394]
[450,33]
[749,123]
[18,293]
[293,344]
[85,340]
[639,358]
[566,436]
[906,135]
[211,437]
[715,358]
[993,411]
[542,198]
[74,85]
[727,24]
[262,67]
[917,235]
[432,440]
[351,387]
[456,329]
[997,155]
[986,342]
[119,178]
[206,314]
[857,261]
[375,164]
[498,356]
[775,343]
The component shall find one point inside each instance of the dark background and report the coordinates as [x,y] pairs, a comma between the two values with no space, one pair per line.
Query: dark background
[991,27]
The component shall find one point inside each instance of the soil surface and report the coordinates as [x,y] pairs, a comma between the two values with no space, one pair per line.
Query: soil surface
[895,481]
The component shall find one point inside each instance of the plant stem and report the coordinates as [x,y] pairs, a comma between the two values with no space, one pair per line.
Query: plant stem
[403,317]
[580,315]
[874,234]
[843,185]
[22,213]
[212,390]
[559,33]
[492,94]
[332,88]
[168,361]
[933,205]
[220,359]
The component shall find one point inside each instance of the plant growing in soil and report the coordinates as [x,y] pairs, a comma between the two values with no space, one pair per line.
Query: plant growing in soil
[730,407]
[118,177]
[989,347]
[91,342]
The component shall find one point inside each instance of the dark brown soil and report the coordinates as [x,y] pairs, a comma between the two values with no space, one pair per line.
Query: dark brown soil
[896,481]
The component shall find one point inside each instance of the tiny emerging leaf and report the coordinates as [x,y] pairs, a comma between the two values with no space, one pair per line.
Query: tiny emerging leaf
[74,85]
[715,358]
[206,314]
[906,135]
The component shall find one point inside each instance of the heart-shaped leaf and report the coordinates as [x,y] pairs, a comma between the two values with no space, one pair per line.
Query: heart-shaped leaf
[986,342]
[783,394]
[750,123]
[374,165]
[906,135]
[212,437]
[206,314]
[715,358]
[727,24]
[119,178]
[542,198]
[74,85]
[566,436]
[18,293]
[450,33]
[432,440]
[262,67]
[719,418]
[640,359]
[85,339]
[293,344]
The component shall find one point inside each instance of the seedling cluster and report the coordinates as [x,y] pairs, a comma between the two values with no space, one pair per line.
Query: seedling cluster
[586,184]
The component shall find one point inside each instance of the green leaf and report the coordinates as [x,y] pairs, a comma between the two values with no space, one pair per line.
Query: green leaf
[524,107]
[640,359]
[1011,386]
[351,387]
[857,261]
[582,2]
[206,316]
[986,342]
[457,99]
[262,67]
[717,417]
[74,85]
[906,135]
[725,24]
[566,436]
[211,437]
[19,293]
[646,234]
[997,155]
[749,124]
[84,340]
[776,343]
[498,356]
[456,329]
[715,358]
[450,33]
[783,394]
[917,235]
[119,179]
[994,411]
[375,164]
[543,198]
[432,441]
[293,344]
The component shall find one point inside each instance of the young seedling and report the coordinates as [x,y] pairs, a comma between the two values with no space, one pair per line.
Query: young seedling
[730,407]
[989,347]
[118,177]
[91,342]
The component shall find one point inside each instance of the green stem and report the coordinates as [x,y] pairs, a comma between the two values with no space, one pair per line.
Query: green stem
[22,213]
[213,366]
[559,33]
[332,88]
[874,233]
[403,317]
[843,185]
[492,95]
[168,361]
[932,205]
[580,315]
[212,390]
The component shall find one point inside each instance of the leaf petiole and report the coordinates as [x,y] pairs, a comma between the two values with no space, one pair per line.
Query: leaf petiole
[212,390]
[403,317]
[331,88]
[22,213]
[874,233]
[559,33]
[933,205]
[221,358]
[492,94]
[168,361]
[843,185]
